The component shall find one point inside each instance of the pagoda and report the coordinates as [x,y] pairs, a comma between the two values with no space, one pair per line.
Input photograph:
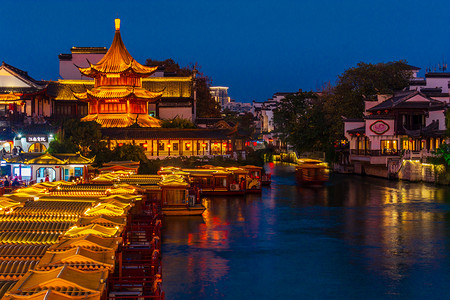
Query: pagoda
[118,98]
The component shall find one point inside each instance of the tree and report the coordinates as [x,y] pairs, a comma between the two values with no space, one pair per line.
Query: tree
[77,136]
[300,122]
[129,152]
[361,83]
[206,106]
[177,123]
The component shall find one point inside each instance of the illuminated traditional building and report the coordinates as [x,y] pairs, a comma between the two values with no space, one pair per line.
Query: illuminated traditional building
[407,125]
[118,99]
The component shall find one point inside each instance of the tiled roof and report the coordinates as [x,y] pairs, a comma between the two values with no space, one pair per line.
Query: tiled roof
[80,258]
[123,120]
[357,130]
[66,280]
[23,74]
[26,237]
[14,269]
[400,101]
[117,60]
[22,251]
[34,226]
[107,221]
[90,241]
[171,88]
[91,229]
[116,92]
[51,208]
[5,285]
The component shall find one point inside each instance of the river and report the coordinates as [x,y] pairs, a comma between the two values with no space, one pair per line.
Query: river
[356,238]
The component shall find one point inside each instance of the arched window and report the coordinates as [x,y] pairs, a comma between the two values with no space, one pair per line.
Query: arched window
[37,147]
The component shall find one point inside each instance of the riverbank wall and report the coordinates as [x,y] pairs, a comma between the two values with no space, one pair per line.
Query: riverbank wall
[410,170]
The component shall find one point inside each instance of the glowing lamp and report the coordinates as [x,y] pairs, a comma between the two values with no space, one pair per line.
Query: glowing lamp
[169,145]
[145,145]
[254,143]
[188,145]
[204,145]
[120,144]
[224,144]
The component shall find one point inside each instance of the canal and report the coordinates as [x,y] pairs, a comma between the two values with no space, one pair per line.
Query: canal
[355,238]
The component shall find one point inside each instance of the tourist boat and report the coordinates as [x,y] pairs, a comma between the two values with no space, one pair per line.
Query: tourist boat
[178,199]
[266,179]
[311,171]
[214,181]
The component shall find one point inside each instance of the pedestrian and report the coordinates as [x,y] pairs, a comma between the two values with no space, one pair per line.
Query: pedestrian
[47,179]
[6,183]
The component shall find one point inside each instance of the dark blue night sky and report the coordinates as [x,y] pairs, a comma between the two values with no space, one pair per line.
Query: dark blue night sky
[256,48]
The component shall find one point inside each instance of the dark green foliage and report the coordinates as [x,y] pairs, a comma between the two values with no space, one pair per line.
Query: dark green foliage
[77,136]
[206,106]
[361,83]
[177,123]
[300,121]
[441,156]
[129,152]
[313,122]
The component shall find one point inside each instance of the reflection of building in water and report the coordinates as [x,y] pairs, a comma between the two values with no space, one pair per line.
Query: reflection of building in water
[399,227]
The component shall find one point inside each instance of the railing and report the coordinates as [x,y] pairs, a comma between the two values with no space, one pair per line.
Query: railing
[384,152]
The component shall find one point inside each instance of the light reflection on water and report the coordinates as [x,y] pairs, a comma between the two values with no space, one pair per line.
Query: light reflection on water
[358,237]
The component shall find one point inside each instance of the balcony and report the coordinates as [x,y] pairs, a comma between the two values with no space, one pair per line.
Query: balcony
[384,152]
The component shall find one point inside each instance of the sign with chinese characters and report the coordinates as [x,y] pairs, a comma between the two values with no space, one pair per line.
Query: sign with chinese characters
[37,138]
[379,127]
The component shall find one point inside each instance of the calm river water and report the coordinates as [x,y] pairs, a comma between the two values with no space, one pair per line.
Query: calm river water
[355,238]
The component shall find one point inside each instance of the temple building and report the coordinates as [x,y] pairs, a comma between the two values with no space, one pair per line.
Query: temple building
[408,125]
[118,99]
[128,100]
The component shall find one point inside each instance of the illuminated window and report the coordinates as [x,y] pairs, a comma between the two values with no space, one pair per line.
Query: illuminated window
[113,108]
[37,147]
[175,146]
[161,146]
[389,146]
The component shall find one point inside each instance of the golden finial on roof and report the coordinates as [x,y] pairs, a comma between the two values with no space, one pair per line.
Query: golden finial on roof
[117,22]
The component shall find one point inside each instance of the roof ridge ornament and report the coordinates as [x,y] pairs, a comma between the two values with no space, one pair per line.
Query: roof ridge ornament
[117,23]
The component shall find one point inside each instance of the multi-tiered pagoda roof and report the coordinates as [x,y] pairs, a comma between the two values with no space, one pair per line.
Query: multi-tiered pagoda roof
[118,98]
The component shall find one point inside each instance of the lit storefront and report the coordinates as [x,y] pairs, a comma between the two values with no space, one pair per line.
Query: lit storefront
[36,167]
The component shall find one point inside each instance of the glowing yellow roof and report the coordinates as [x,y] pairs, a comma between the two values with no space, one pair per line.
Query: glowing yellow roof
[91,229]
[66,280]
[107,221]
[9,97]
[7,204]
[21,197]
[173,181]
[77,257]
[90,241]
[117,60]
[115,92]
[104,209]
[123,120]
